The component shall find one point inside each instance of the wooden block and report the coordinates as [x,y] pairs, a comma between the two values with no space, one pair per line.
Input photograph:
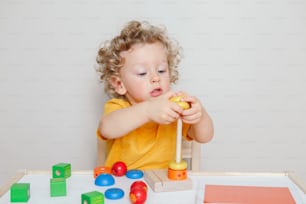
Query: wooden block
[61,170]
[20,192]
[93,197]
[58,187]
[159,182]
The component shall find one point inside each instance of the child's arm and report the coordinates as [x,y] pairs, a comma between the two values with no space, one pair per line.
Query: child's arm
[201,129]
[121,122]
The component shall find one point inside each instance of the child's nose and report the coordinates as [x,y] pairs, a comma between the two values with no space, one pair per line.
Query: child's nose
[155,77]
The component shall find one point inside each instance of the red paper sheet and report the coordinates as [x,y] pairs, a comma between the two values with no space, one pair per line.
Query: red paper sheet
[221,194]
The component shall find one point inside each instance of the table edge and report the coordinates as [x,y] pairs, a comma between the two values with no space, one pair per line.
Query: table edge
[290,174]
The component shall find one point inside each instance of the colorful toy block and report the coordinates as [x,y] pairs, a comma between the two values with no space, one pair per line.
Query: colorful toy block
[20,192]
[93,197]
[102,169]
[61,170]
[158,180]
[177,170]
[58,187]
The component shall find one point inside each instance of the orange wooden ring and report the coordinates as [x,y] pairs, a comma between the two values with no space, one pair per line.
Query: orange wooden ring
[102,169]
[177,174]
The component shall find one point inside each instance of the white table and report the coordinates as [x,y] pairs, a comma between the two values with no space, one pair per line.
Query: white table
[83,182]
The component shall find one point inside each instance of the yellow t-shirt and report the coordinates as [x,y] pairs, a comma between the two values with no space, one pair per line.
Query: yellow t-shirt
[150,146]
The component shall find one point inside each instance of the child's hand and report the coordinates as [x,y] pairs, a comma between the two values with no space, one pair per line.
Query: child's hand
[163,111]
[194,114]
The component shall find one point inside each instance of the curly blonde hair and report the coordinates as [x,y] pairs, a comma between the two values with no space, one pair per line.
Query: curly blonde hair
[110,62]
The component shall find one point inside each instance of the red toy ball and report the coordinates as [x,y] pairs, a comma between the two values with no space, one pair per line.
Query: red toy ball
[138,195]
[119,168]
[138,192]
[139,184]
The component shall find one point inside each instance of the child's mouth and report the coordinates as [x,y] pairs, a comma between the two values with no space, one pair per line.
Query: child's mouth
[156,92]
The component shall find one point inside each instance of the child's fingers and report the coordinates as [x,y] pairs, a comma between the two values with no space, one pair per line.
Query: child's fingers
[190,99]
[169,94]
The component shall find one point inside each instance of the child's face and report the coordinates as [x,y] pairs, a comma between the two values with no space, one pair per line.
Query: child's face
[145,73]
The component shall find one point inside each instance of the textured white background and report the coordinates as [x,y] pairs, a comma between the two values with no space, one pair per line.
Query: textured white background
[245,60]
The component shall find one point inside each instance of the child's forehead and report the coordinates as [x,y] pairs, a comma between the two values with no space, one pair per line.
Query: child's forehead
[138,46]
[151,55]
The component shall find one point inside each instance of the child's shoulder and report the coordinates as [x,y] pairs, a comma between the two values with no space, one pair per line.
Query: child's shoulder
[117,102]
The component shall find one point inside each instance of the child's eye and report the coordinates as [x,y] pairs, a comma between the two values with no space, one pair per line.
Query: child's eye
[142,74]
[162,69]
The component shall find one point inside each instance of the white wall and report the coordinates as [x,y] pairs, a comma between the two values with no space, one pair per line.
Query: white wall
[246,61]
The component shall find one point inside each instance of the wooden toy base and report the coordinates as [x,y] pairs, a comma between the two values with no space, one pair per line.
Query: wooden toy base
[159,182]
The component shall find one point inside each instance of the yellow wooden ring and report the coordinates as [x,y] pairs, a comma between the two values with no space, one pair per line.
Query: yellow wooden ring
[183,104]
[178,166]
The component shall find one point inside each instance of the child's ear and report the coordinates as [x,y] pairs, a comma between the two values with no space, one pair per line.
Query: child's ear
[118,85]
